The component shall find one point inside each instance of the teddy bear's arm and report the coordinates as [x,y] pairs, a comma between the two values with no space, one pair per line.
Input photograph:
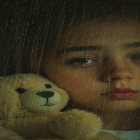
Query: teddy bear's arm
[76,123]
[79,124]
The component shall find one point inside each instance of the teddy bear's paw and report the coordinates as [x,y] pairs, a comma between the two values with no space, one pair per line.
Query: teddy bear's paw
[76,124]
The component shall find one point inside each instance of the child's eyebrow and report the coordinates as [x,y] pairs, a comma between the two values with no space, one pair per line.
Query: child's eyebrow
[80,48]
[132,45]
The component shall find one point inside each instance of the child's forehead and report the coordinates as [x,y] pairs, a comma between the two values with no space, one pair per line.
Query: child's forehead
[99,28]
[110,33]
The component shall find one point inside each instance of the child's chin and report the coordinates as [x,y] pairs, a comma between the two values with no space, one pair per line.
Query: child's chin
[123,105]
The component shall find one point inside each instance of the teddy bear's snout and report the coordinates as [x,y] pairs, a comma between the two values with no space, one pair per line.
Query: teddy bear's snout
[45,94]
[41,99]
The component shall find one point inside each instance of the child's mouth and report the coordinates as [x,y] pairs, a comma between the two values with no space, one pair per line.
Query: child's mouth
[122,93]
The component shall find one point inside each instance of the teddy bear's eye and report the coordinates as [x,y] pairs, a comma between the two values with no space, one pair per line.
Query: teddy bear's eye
[20,90]
[48,85]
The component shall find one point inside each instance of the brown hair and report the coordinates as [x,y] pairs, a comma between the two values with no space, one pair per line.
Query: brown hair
[29,27]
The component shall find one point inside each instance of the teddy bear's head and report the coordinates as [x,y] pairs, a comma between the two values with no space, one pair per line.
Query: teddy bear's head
[21,94]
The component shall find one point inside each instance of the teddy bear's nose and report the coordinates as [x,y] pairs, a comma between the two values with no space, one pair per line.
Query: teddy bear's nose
[45,94]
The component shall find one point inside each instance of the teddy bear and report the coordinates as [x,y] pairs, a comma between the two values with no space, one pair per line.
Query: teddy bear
[31,108]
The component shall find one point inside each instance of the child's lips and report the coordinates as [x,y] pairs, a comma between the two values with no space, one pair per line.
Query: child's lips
[122,93]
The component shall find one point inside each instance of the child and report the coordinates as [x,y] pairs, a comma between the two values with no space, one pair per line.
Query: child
[92,50]
[98,62]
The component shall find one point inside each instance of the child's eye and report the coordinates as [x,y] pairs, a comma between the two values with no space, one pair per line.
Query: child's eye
[83,61]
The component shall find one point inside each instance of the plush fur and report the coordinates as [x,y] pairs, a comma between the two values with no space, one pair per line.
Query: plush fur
[30,108]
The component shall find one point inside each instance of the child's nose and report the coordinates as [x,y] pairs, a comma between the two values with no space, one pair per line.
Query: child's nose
[117,71]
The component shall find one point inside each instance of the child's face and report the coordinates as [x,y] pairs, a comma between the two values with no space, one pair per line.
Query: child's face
[92,59]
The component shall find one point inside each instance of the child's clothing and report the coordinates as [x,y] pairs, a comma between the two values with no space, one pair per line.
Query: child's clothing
[126,135]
